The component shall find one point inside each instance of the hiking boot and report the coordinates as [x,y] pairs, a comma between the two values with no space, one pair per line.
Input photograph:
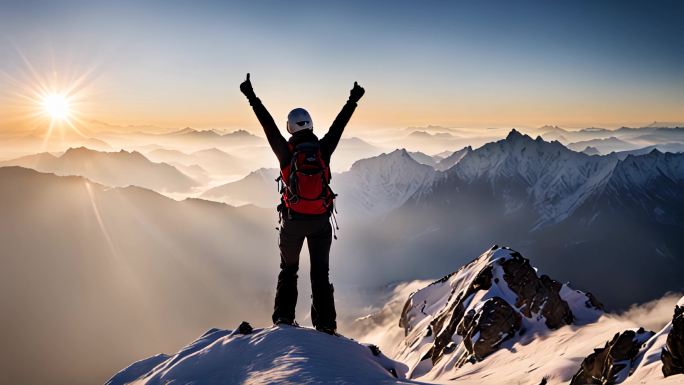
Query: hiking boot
[327,330]
[286,321]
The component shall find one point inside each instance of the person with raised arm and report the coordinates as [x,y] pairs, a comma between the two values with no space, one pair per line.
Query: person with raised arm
[307,204]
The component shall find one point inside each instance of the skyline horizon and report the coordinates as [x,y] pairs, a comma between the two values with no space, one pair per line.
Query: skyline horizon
[172,64]
[255,128]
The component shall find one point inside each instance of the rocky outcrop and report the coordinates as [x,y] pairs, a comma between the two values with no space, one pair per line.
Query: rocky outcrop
[673,352]
[611,363]
[482,281]
[469,314]
[484,330]
[536,295]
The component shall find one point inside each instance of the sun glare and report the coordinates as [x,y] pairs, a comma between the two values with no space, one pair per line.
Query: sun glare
[52,100]
[57,106]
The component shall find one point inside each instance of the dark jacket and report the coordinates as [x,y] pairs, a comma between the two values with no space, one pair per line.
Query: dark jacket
[278,143]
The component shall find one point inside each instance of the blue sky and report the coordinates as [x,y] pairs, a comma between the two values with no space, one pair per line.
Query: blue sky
[478,63]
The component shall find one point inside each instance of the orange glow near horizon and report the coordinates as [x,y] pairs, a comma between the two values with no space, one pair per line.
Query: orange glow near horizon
[48,102]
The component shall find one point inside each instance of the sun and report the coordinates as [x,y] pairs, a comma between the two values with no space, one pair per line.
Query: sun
[52,100]
[57,106]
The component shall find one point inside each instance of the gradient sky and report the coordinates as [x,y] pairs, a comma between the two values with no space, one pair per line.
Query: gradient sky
[454,63]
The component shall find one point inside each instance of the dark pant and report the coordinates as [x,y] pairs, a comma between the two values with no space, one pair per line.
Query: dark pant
[318,233]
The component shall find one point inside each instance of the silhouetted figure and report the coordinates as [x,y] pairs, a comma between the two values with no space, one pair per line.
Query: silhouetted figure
[306,205]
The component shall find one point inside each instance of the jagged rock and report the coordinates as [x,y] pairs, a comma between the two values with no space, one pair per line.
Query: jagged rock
[534,293]
[673,352]
[482,281]
[484,330]
[611,364]
[592,302]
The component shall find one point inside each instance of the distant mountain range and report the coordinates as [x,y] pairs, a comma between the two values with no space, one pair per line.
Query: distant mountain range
[583,216]
[601,214]
[604,146]
[212,160]
[619,213]
[117,169]
[187,139]
[433,141]
[258,188]
[442,161]
[639,137]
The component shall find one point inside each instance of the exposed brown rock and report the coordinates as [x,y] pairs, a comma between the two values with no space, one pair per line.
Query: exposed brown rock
[673,352]
[495,322]
[496,319]
[536,294]
[603,366]
[483,281]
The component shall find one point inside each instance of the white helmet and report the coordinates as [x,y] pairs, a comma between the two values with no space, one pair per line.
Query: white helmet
[297,120]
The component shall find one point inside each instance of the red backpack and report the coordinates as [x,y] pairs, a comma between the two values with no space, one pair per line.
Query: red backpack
[305,186]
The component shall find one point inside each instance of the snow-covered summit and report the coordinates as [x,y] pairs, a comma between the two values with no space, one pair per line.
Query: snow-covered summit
[397,158]
[546,175]
[379,184]
[274,355]
[488,304]
[634,169]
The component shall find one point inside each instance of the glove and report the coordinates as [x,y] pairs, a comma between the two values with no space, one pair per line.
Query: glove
[356,93]
[246,88]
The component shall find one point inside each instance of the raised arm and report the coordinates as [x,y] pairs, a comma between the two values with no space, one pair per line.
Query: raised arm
[332,138]
[273,135]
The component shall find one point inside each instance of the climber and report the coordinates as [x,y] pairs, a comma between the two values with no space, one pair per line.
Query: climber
[306,205]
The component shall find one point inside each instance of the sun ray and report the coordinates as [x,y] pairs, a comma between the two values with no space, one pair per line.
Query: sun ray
[50,104]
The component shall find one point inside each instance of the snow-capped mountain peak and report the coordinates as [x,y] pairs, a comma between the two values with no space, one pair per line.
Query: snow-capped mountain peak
[546,175]
[377,185]
[514,135]
[471,313]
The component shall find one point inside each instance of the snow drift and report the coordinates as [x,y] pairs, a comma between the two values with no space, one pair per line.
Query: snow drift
[274,355]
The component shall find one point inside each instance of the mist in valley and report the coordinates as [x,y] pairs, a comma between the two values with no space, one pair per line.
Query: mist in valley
[117,246]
